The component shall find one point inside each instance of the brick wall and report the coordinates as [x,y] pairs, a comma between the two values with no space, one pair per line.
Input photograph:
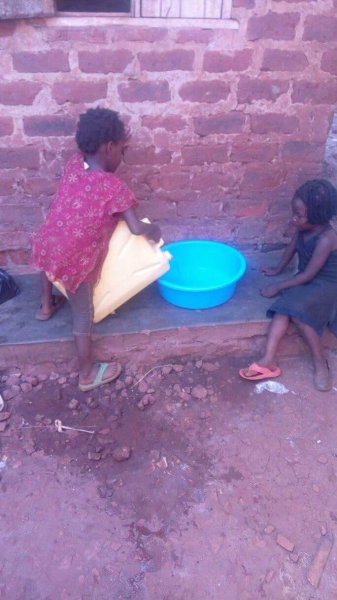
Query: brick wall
[226,123]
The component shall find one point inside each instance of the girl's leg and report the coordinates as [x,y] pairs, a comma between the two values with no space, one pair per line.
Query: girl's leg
[49,303]
[82,312]
[277,330]
[322,378]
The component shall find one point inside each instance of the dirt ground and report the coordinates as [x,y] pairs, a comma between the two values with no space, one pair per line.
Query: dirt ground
[193,486]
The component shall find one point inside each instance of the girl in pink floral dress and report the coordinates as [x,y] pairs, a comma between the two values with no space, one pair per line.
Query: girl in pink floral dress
[72,244]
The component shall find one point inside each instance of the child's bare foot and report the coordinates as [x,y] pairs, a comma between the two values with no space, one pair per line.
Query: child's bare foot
[100,374]
[45,313]
[323,376]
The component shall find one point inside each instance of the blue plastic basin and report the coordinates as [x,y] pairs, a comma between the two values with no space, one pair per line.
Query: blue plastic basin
[202,274]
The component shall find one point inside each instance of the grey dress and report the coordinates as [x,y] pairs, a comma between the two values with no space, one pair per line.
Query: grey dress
[314,303]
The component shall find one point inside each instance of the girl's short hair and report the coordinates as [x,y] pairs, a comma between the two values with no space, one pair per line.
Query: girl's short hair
[320,198]
[99,126]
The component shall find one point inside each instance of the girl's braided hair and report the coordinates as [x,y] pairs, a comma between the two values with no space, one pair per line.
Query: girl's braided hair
[99,126]
[320,198]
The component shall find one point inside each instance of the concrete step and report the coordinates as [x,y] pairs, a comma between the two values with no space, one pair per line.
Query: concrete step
[146,328]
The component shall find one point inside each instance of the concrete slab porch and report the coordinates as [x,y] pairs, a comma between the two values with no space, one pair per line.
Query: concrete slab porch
[146,327]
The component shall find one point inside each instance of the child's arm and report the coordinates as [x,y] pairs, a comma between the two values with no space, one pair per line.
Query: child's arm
[138,227]
[318,259]
[285,259]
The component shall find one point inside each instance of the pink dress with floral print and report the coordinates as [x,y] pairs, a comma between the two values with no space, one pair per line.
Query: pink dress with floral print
[72,244]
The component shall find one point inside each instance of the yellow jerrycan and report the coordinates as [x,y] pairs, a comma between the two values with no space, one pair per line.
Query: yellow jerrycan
[132,263]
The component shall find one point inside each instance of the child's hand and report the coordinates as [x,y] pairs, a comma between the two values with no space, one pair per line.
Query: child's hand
[154,234]
[269,291]
[269,271]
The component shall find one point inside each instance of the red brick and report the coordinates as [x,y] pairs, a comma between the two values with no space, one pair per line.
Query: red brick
[243,3]
[7,28]
[274,26]
[258,178]
[91,35]
[284,60]
[172,123]
[329,61]
[320,28]
[143,91]
[104,61]
[217,62]
[247,151]
[200,155]
[19,92]
[26,157]
[51,61]
[208,182]
[232,122]
[319,92]
[49,125]
[37,187]
[6,126]
[19,257]
[193,208]
[199,36]
[8,185]
[260,89]
[303,151]
[204,91]
[315,122]
[79,91]
[147,156]
[19,217]
[3,259]
[139,34]
[174,181]
[277,122]
[17,238]
[171,60]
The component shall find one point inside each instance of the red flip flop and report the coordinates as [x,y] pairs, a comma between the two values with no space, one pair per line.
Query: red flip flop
[258,372]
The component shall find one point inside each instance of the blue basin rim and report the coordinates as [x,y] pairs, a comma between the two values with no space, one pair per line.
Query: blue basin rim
[174,286]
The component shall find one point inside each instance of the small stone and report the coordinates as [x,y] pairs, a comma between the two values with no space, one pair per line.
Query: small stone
[4,416]
[128,380]
[119,385]
[32,379]
[62,380]
[294,557]
[316,488]
[121,453]
[269,529]
[73,375]
[269,575]
[167,370]
[94,456]
[281,540]
[208,366]
[115,546]
[178,368]
[199,392]
[324,529]
[73,404]
[142,386]
[92,402]
[198,364]
[323,459]
[10,393]
[53,376]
